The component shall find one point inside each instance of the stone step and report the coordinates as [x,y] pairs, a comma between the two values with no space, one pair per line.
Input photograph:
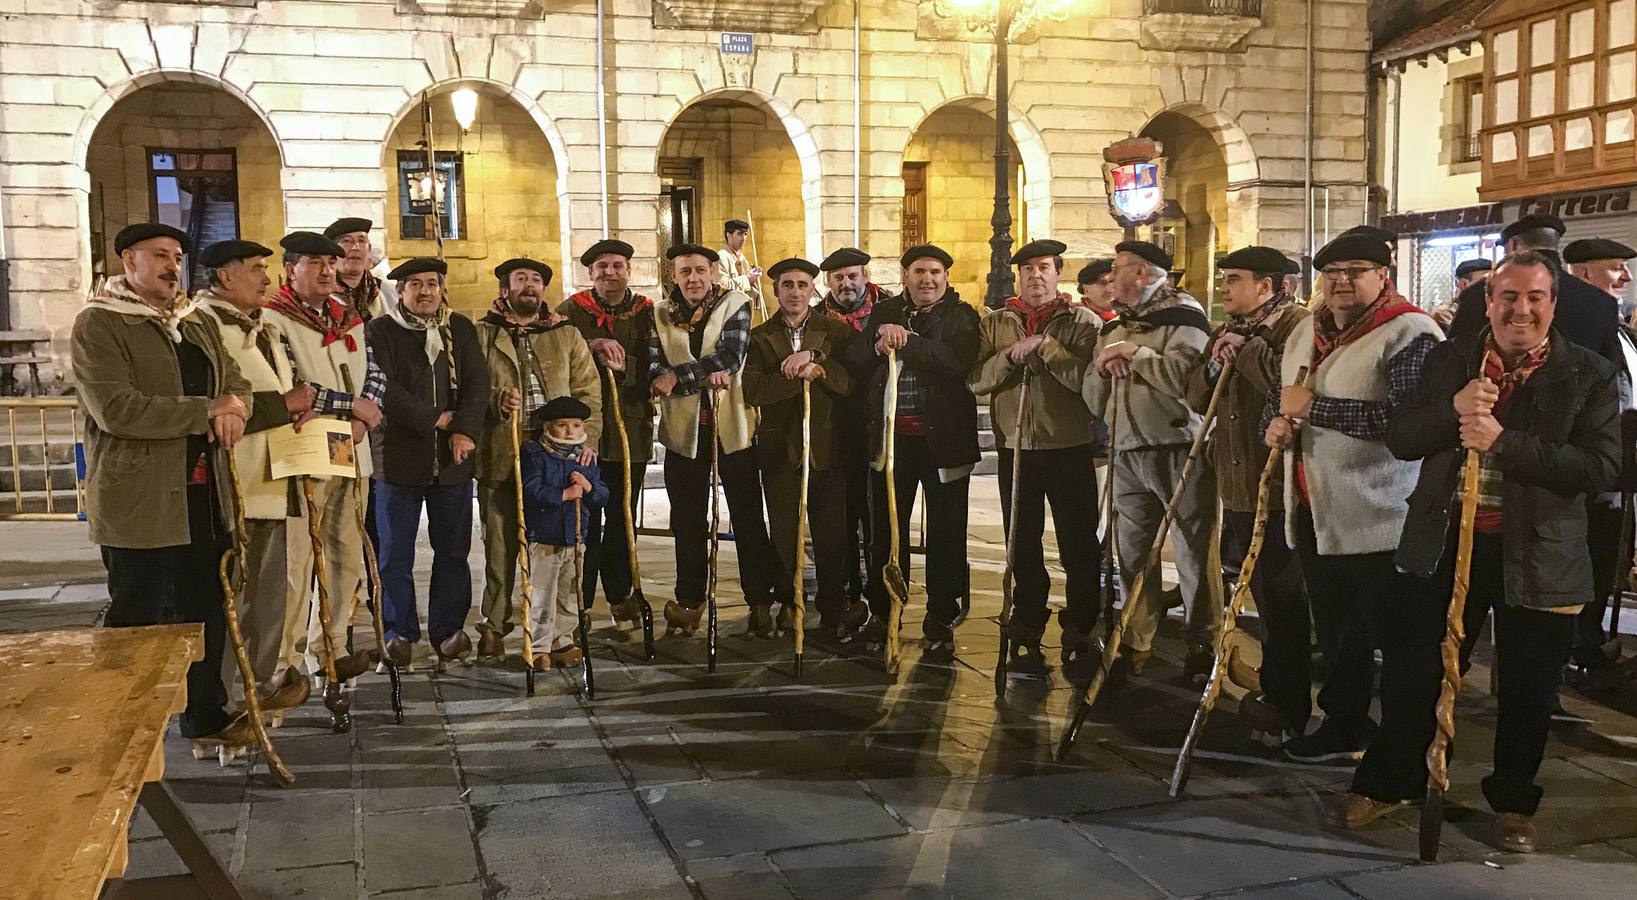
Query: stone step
[33,478]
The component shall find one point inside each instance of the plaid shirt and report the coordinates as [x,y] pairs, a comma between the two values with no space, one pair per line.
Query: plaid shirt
[339,403]
[1364,419]
[729,355]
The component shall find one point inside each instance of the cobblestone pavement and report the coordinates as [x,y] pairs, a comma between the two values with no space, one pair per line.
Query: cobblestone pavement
[746,783]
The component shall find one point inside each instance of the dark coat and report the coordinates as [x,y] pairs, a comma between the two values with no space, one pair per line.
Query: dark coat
[409,450]
[778,429]
[942,348]
[1585,315]
[635,402]
[1560,442]
[550,518]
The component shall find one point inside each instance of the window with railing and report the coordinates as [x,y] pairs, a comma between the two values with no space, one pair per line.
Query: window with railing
[1468,119]
[1247,8]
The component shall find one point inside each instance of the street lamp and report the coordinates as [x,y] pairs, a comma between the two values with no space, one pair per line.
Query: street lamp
[1005,19]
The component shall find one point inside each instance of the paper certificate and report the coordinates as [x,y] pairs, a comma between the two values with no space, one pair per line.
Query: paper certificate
[322,447]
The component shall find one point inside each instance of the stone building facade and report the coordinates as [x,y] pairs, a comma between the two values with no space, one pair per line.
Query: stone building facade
[322,106]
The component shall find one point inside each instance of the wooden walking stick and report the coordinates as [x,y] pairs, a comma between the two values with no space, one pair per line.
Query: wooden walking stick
[1432,810]
[715,538]
[799,588]
[644,607]
[1133,597]
[1230,623]
[587,680]
[233,570]
[892,575]
[334,701]
[523,563]
[1008,580]
[372,566]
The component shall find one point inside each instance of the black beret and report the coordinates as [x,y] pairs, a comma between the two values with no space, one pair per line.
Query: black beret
[605,246]
[1353,246]
[735,225]
[505,269]
[136,234]
[418,265]
[223,252]
[1596,248]
[926,251]
[1094,270]
[564,407]
[1150,252]
[1256,259]
[347,225]
[1372,232]
[1467,267]
[1292,267]
[692,250]
[1532,223]
[794,262]
[1037,249]
[843,258]
[310,243]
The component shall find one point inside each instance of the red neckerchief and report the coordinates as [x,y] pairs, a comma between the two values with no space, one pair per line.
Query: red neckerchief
[854,317]
[1035,317]
[606,317]
[1328,337]
[335,322]
[1509,381]
[1107,315]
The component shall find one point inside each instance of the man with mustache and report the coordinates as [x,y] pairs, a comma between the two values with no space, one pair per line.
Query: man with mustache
[1543,415]
[616,324]
[367,295]
[324,333]
[696,358]
[160,397]
[850,300]
[1039,335]
[1345,490]
[532,355]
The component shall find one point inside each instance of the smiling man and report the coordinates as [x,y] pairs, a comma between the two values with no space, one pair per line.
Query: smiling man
[1487,393]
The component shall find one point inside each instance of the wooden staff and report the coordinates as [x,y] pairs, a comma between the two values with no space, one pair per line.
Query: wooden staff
[334,701]
[892,575]
[1008,580]
[647,609]
[237,558]
[798,588]
[1230,624]
[372,566]
[1134,596]
[761,297]
[587,679]
[523,564]
[715,538]
[1432,810]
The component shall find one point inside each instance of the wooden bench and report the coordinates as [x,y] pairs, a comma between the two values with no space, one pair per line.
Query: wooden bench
[83,715]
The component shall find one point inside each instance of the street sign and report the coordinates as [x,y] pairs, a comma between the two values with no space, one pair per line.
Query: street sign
[737,42]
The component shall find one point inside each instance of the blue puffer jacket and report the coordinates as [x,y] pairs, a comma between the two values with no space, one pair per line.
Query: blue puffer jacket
[549,517]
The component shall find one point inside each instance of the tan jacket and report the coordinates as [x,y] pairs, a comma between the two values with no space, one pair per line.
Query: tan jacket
[264,497]
[1057,416]
[568,370]
[1153,409]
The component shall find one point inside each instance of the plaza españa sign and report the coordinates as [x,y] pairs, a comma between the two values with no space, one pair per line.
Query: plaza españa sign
[1134,179]
[737,42]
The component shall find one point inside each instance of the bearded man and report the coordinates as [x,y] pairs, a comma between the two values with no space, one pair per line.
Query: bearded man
[850,300]
[532,355]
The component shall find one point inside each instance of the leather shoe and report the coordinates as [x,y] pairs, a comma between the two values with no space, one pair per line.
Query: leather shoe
[455,647]
[351,666]
[1356,810]
[400,651]
[682,620]
[1515,833]
[490,645]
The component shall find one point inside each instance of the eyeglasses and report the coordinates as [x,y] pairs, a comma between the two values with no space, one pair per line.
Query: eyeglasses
[1351,273]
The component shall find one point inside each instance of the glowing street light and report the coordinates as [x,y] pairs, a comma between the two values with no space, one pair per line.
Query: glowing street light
[465,103]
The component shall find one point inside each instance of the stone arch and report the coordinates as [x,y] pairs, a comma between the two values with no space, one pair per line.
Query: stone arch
[95,113]
[1026,137]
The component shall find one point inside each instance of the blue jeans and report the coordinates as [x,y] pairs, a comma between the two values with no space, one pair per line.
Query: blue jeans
[449,528]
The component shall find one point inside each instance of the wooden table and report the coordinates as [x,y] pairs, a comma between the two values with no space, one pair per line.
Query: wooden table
[22,348]
[82,732]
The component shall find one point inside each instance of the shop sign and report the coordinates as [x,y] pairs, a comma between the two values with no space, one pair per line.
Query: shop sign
[1488,215]
[1134,179]
[1570,206]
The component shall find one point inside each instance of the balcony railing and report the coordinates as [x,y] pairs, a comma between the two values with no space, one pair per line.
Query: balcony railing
[1251,9]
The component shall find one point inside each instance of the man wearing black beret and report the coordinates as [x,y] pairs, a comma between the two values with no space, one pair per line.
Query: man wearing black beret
[1040,338]
[369,295]
[733,271]
[1601,263]
[1139,377]
[935,426]
[1245,349]
[851,299]
[1467,273]
[1345,492]
[531,355]
[1096,284]
[799,345]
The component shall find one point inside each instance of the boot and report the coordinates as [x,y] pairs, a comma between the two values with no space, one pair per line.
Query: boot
[490,646]
[627,611]
[681,620]
[937,642]
[351,666]
[1356,810]
[1082,653]
[1026,660]
[566,658]
[1198,665]
[786,620]
[1515,833]
[760,623]
[401,651]
[1267,724]
[290,690]
[454,648]
[229,743]
[845,626]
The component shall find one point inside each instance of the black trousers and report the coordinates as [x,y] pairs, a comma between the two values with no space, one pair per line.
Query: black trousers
[1530,647]
[687,481]
[171,585]
[607,553]
[826,524]
[1067,478]
[945,538]
[1347,595]
[1281,606]
[857,525]
[1603,540]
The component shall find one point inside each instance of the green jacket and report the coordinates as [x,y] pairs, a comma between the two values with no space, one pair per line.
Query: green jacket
[635,403]
[1057,416]
[568,370]
[137,422]
[778,430]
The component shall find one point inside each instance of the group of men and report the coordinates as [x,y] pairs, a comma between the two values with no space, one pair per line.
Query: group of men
[1370,406]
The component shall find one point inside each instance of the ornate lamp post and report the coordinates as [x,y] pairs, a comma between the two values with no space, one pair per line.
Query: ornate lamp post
[1005,19]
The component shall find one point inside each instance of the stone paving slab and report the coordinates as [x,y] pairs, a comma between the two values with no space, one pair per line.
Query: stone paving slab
[602,845]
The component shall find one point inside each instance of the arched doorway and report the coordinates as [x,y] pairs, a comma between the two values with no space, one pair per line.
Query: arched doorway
[1194,223]
[497,186]
[187,154]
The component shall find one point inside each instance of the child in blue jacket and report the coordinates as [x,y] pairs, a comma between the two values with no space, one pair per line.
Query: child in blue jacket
[553,480]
